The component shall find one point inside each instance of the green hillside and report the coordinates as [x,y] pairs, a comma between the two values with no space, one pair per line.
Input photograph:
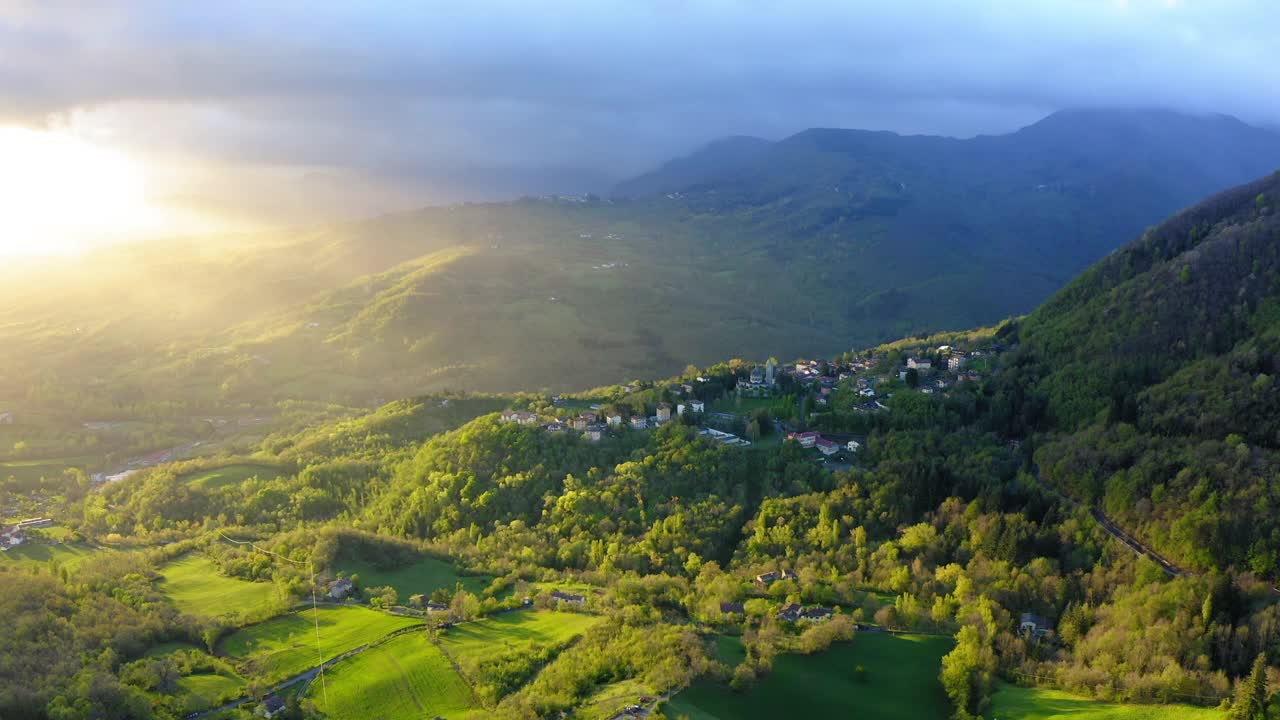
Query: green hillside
[805,246]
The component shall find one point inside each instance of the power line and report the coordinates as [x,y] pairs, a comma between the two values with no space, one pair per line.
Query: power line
[315,608]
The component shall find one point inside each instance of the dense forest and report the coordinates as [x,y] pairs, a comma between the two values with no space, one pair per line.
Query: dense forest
[1141,395]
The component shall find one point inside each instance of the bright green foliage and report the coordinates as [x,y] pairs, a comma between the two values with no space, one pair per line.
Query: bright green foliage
[286,646]
[406,678]
[421,576]
[221,477]
[500,654]
[899,684]
[195,584]
[1023,703]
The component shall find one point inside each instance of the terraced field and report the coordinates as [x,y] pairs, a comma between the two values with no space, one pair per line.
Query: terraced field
[406,678]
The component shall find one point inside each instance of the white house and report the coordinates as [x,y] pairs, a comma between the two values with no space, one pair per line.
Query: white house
[919,363]
[853,445]
[614,419]
[697,406]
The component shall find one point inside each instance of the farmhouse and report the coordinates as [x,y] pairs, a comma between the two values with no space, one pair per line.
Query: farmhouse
[571,598]
[789,612]
[11,536]
[815,614]
[1034,625]
[339,589]
[769,578]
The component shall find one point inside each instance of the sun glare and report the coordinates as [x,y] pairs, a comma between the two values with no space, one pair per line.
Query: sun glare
[61,194]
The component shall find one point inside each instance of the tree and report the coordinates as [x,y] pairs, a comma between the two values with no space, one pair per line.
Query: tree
[1251,693]
[464,606]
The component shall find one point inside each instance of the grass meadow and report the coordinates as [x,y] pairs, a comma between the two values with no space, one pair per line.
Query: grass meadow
[1011,701]
[901,683]
[509,632]
[228,475]
[194,584]
[405,678]
[423,576]
[286,646]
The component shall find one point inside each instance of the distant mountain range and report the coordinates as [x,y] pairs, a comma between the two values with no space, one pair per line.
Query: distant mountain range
[812,244]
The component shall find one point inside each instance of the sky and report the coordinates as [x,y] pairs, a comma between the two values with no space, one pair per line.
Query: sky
[240,114]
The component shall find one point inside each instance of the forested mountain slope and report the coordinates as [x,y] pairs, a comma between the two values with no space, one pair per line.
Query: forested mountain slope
[1152,377]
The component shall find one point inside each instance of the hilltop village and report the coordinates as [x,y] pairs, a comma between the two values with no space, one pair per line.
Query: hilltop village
[823,405]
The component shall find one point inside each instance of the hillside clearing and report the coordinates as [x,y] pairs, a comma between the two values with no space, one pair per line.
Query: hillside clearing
[423,576]
[194,584]
[901,683]
[228,475]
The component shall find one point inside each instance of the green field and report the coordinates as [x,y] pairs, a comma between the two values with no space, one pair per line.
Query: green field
[67,554]
[477,641]
[901,683]
[30,471]
[424,576]
[230,475]
[286,646]
[207,690]
[1010,701]
[405,678]
[193,584]
[606,700]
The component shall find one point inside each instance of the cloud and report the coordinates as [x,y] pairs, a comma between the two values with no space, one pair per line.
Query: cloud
[429,101]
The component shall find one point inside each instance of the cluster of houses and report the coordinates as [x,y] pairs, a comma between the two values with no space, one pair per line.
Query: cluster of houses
[952,360]
[814,439]
[11,536]
[593,426]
